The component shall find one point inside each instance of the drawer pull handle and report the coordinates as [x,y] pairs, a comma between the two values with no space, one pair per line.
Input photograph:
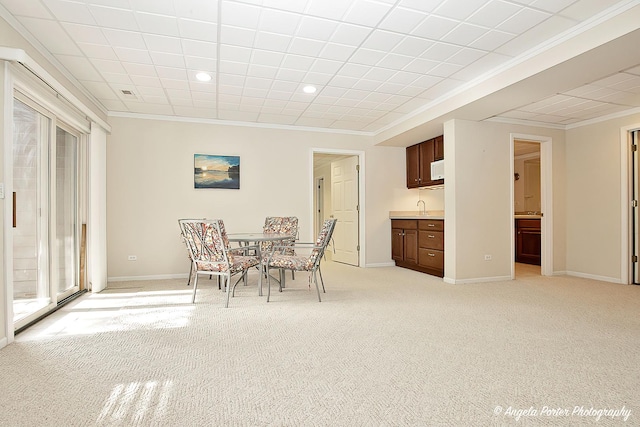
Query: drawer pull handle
[431,236]
[430,254]
[431,225]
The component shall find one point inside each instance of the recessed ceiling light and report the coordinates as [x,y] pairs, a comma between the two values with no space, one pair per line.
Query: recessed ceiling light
[309,89]
[203,77]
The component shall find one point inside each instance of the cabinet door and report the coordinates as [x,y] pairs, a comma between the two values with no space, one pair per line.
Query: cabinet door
[426,157]
[528,242]
[411,246]
[438,147]
[413,166]
[397,244]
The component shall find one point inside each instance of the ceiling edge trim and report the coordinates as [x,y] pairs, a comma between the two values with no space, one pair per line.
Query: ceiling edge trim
[236,123]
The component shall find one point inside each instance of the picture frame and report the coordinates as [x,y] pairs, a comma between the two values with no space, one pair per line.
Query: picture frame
[216,171]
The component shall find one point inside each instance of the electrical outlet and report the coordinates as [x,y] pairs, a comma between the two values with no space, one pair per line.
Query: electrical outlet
[487,257]
[132,258]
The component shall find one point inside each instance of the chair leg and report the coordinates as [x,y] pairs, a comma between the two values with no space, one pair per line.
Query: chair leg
[190,274]
[268,283]
[293,275]
[227,279]
[315,280]
[321,281]
[195,286]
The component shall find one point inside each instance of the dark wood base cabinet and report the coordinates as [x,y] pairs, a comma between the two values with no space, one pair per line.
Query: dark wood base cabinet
[528,241]
[418,244]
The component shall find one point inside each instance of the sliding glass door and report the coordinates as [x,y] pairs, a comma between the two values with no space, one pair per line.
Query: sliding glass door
[45,226]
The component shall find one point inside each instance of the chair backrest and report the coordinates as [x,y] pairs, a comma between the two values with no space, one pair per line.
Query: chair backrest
[324,237]
[280,224]
[207,242]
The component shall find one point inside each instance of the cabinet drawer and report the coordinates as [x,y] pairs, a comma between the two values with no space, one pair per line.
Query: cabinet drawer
[407,224]
[529,223]
[431,239]
[431,258]
[431,224]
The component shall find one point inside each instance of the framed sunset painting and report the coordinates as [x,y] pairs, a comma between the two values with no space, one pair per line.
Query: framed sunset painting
[213,171]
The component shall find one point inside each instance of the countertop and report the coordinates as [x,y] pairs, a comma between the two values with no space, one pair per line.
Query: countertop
[527,215]
[416,215]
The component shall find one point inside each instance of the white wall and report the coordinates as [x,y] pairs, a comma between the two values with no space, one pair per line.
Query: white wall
[594,200]
[150,186]
[478,214]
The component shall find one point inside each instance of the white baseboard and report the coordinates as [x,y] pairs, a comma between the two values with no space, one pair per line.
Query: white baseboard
[596,277]
[476,280]
[3,342]
[380,264]
[156,277]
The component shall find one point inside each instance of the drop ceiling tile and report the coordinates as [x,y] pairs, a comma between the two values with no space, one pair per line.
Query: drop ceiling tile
[113,105]
[316,28]
[483,65]
[127,39]
[80,67]
[200,49]
[142,108]
[198,112]
[182,102]
[523,20]
[157,24]
[164,7]
[350,35]
[240,14]
[109,66]
[133,55]
[51,35]
[272,41]
[412,46]
[491,40]
[203,96]
[458,9]
[96,51]
[401,20]
[100,90]
[158,100]
[421,5]
[332,9]
[231,67]
[202,87]
[529,39]
[178,94]
[262,71]
[279,22]
[464,34]
[146,81]
[197,9]
[367,56]
[319,79]
[110,17]
[466,56]
[163,44]
[337,52]
[435,27]
[367,12]
[198,30]
[441,51]
[172,73]
[394,62]
[67,11]
[240,116]
[291,75]
[85,33]
[343,81]
[122,4]
[134,69]
[552,6]
[116,78]
[174,84]
[382,40]
[420,65]
[585,9]
[291,5]
[493,13]
[200,64]
[237,36]
[235,53]
[298,62]
[31,9]
[300,46]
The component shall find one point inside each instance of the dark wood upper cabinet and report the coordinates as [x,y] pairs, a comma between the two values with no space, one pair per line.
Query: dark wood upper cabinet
[419,158]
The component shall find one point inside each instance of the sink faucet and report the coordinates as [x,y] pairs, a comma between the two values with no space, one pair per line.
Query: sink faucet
[424,207]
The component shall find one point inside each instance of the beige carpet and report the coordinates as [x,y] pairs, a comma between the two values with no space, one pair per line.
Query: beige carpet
[386,347]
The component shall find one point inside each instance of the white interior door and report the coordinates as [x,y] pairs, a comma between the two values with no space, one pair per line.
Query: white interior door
[344,203]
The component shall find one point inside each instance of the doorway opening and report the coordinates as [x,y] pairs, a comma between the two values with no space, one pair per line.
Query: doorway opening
[634,137]
[337,192]
[531,204]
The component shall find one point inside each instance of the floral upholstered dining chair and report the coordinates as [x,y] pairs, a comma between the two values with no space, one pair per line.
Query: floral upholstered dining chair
[210,253]
[278,258]
[280,225]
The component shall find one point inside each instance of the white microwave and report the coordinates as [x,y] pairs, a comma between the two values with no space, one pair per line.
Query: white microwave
[437,170]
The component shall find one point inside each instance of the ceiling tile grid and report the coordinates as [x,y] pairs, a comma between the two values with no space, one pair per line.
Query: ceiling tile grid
[373,61]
